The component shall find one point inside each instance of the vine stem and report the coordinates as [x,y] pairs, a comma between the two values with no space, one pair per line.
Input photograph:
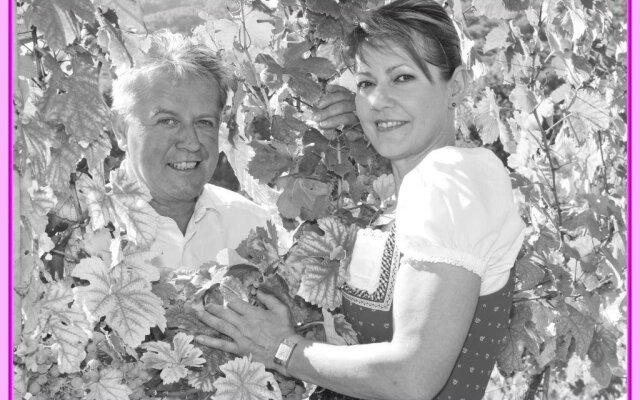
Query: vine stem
[604,165]
[554,188]
[36,52]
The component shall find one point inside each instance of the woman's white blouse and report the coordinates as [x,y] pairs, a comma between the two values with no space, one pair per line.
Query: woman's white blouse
[457,207]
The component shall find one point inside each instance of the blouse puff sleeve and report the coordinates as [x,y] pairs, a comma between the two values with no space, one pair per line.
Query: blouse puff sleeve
[457,207]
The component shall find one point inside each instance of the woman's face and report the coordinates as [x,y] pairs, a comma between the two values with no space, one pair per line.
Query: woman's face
[403,114]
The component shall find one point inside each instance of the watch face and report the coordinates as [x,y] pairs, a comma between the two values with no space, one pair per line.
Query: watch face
[282,354]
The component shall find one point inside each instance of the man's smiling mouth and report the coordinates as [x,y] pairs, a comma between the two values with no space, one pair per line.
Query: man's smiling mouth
[184,166]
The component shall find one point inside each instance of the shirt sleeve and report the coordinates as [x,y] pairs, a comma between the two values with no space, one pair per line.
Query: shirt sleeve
[457,207]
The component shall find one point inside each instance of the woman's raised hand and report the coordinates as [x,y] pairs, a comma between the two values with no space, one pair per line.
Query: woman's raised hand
[254,331]
[336,108]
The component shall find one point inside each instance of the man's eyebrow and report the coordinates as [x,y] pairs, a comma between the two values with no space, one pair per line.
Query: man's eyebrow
[161,111]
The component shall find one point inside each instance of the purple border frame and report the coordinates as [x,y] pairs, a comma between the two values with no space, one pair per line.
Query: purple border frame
[6,171]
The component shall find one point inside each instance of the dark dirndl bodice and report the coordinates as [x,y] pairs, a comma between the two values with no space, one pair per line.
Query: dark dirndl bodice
[370,314]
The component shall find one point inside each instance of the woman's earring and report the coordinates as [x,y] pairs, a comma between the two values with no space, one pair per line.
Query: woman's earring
[453,104]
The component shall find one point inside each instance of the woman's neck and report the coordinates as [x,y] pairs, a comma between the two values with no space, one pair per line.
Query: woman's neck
[402,167]
[180,211]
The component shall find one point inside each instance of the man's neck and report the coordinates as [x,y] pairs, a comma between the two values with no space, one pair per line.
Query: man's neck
[180,212]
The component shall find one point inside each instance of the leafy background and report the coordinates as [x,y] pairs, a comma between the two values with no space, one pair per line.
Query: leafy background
[548,97]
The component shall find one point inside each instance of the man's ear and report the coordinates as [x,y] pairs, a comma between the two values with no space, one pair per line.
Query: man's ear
[120,126]
[458,84]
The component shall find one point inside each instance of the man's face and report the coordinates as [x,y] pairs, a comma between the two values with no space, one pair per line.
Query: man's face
[172,136]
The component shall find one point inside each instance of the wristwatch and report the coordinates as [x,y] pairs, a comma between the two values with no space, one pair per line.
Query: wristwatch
[285,349]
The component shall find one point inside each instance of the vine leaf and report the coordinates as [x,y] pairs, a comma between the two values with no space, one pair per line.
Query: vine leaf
[517,340]
[34,141]
[327,7]
[81,107]
[304,197]
[67,325]
[270,161]
[125,300]
[488,118]
[578,326]
[322,261]
[129,13]
[109,386]
[173,363]
[496,38]
[145,264]
[589,112]
[529,272]
[523,99]
[246,380]
[63,163]
[58,20]
[260,248]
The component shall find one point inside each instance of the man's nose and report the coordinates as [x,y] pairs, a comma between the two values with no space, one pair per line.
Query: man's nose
[189,139]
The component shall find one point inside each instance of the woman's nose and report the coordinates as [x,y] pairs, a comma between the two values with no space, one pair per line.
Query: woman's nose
[381,97]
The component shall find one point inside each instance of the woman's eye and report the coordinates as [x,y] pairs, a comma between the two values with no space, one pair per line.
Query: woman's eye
[404,78]
[364,84]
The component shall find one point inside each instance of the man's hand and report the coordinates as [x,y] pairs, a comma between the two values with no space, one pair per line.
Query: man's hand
[336,108]
[253,330]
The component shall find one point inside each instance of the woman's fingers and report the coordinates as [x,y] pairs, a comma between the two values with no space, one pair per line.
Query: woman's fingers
[271,302]
[220,325]
[226,313]
[224,345]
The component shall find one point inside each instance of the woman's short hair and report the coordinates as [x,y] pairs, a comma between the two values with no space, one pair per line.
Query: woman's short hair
[179,58]
[422,28]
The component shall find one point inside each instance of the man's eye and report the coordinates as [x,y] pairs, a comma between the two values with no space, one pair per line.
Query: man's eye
[207,124]
[404,78]
[167,122]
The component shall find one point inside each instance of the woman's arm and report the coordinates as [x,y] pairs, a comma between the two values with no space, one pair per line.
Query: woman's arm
[432,310]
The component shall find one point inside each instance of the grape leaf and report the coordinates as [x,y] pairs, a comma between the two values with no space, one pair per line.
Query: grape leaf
[518,339]
[63,163]
[320,67]
[126,300]
[81,108]
[488,118]
[269,161]
[576,325]
[34,141]
[67,325]
[496,38]
[172,362]
[246,380]
[304,86]
[109,386]
[516,5]
[145,264]
[529,272]
[493,9]
[36,202]
[322,262]
[129,13]
[304,197]
[327,7]
[589,111]
[325,27]
[58,20]
[204,378]
[261,247]
[603,355]
[523,99]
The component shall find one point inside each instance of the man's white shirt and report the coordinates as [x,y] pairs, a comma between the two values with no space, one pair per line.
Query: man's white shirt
[221,220]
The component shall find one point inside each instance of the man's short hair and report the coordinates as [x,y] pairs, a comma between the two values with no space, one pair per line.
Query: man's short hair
[179,58]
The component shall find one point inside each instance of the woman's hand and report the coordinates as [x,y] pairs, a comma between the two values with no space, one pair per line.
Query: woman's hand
[253,330]
[336,108]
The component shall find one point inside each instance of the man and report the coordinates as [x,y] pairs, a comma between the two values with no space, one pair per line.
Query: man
[168,112]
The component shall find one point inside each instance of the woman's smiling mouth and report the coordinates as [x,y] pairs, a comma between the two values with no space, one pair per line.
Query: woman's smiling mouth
[388,125]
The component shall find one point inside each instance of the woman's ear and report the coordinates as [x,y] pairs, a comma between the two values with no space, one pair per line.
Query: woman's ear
[458,84]
[119,125]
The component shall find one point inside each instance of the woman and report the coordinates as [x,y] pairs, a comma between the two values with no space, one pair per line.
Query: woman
[433,324]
